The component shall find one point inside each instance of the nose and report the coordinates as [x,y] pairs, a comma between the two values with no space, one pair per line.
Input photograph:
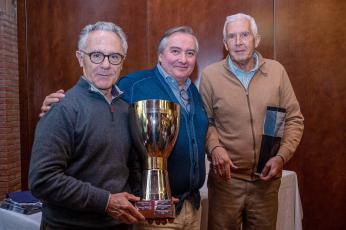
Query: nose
[105,63]
[238,40]
[183,57]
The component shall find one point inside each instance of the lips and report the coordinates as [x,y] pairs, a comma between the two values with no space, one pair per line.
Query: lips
[239,51]
[181,67]
[104,74]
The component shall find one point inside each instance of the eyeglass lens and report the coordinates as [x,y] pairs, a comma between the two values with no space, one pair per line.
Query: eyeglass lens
[98,57]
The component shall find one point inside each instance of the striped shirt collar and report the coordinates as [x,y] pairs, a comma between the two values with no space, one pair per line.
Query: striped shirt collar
[116,92]
[171,80]
[235,69]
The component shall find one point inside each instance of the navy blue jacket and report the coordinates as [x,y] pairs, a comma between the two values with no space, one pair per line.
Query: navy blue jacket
[186,164]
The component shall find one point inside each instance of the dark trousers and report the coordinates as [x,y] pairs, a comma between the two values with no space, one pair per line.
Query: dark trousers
[46,226]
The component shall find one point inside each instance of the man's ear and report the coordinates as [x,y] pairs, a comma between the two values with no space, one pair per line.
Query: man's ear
[257,40]
[79,56]
[225,44]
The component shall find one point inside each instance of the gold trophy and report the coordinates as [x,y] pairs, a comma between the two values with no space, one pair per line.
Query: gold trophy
[155,126]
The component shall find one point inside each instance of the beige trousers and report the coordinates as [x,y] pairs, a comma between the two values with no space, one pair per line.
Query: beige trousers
[239,204]
[189,219]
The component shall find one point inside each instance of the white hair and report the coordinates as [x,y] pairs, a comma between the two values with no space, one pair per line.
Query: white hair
[103,26]
[238,17]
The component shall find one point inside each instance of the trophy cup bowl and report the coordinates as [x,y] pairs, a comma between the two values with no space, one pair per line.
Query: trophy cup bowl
[155,126]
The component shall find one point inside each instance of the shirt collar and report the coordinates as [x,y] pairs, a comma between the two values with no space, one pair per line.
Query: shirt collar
[171,81]
[116,92]
[235,69]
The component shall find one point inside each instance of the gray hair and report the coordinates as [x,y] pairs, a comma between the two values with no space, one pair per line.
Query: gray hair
[238,17]
[180,29]
[103,26]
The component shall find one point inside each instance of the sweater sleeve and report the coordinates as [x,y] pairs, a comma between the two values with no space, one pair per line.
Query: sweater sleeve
[51,154]
[205,88]
[294,119]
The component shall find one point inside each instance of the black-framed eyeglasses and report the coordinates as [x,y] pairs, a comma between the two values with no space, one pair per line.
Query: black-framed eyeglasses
[98,57]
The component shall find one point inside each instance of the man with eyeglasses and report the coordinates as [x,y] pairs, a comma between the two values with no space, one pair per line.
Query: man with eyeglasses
[237,92]
[82,154]
[169,80]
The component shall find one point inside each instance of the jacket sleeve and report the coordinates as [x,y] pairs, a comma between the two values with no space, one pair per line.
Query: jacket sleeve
[136,157]
[206,91]
[125,85]
[51,154]
[294,125]
[135,164]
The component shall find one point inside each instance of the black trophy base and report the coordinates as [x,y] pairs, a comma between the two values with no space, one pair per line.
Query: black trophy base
[269,148]
[156,209]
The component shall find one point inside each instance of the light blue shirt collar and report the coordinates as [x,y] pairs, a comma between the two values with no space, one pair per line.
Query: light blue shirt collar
[235,69]
[244,77]
[173,84]
[171,81]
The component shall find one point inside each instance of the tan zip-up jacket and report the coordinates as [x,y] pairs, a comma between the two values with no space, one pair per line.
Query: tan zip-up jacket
[236,115]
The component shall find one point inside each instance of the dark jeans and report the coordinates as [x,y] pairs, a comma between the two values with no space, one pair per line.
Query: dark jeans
[45,226]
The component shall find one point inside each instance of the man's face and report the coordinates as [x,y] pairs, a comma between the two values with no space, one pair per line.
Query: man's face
[102,75]
[240,41]
[178,59]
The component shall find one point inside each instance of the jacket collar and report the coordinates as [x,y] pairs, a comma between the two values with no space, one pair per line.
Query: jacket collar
[83,82]
[261,67]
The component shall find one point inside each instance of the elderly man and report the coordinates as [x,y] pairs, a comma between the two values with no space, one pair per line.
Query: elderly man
[78,169]
[169,80]
[236,93]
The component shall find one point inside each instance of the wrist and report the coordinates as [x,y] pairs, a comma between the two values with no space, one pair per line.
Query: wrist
[212,150]
[109,198]
[282,158]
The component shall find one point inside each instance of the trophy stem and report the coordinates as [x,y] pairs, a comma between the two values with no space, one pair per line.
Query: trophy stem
[156,185]
[156,163]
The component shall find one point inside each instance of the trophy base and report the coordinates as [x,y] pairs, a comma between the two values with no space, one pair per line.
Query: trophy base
[156,209]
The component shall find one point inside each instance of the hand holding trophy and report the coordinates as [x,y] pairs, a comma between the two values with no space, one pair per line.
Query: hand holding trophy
[155,126]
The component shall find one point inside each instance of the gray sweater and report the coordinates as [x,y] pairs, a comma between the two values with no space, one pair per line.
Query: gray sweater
[80,155]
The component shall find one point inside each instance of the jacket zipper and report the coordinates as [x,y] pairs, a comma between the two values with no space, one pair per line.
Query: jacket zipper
[111,109]
[253,132]
[251,121]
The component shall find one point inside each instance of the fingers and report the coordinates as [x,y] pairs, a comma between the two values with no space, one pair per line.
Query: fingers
[175,200]
[51,99]
[267,173]
[135,213]
[120,208]
[60,91]
[221,163]
[226,172]
[123,216]
[131,197]
[272,169]
[233,166]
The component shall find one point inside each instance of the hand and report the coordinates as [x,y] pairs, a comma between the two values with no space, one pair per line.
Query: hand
[120,208]
[273,169]
[164,221]
[221,163]
[51,99]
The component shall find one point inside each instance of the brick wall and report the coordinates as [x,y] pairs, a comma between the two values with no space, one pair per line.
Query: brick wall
[10,173]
